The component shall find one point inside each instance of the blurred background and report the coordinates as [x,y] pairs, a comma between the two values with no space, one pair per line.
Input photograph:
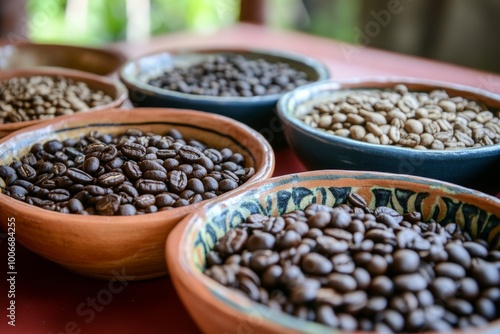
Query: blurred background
[463,32]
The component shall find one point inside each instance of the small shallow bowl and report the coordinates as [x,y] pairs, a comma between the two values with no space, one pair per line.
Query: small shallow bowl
[92,60]
[320,150]
[95,82]
[190,242]
[257,111]
[100,245]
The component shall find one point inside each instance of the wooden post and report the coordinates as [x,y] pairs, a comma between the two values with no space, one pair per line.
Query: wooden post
[13,19]
[253,11]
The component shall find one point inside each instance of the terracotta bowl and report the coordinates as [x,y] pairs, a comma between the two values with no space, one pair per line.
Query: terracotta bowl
[257,111]
[190,242]
[110,87]
[92,60]
[99,245]
[478,167]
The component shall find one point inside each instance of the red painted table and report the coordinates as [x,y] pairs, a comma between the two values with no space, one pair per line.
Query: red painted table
[49,299]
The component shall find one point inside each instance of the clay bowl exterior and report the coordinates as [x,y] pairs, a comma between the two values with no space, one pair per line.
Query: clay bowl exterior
[98,245]
[92,60]
[316,149]
[110,87]
[257,111]
[190,242]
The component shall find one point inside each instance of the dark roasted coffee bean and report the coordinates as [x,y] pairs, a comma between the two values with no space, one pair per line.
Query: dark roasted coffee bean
[58,169]
[75,206]
[133,151]
[458,254]
[151,165]
[443,288]
[289,239]
[475,249]
[263,258]
[111,179]
[58,195]
[316,264]
[377,265]
[6,171]
[26,172]
[150,186]
[91,165]
[108,153]
[164,200]
[79,176]
[144,201]
[449,269]
[468,288]
[233,242]
[305,291]
[157,175]
[326,315]
[340,218]
[410,282]
[227,185]
[108,205]
[190,154]
[177,181]
[52,146]
[343,263]
[261,240]
[132,170]
[126,210]
[405,261]
[342,282]
[114,164]
[485,273]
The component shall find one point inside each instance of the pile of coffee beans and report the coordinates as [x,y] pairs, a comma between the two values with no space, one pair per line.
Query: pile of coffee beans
[354,268]
[45,97]
[232,75]
[128,174]
[409,119]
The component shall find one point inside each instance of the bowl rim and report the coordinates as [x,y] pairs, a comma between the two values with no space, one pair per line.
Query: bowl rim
[120,57]
[131,81]
[63,122]
[121,92]
[184,273]
[288,117]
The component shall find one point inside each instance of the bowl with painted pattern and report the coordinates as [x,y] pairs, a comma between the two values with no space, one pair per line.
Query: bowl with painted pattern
[97,245]
[191,241]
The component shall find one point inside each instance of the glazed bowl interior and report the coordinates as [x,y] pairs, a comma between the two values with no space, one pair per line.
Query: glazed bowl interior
[189,244]
[318,149]
[110,87]
[256,111]
[97,245]
[97,61]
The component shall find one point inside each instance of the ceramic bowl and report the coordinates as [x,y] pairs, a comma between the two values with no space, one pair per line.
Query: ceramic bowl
[190,242]
[100,245]
[110,87]
[257,112]
[92,60]
[474,167]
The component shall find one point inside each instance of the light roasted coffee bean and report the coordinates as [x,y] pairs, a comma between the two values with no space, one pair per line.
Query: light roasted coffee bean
[411,119]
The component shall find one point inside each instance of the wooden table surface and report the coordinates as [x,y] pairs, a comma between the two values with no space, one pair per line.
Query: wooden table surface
[50,299]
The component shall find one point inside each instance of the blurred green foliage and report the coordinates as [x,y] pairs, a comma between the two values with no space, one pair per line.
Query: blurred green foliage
[96,22]
[105,20]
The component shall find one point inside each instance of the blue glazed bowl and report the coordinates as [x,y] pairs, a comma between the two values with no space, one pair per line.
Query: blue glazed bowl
[230,312]
[473,167]
[257,112]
